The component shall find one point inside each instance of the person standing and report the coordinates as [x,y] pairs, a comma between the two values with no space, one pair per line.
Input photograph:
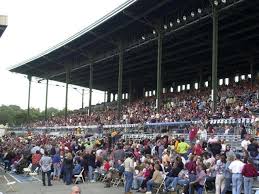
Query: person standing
[68,168]
[236,168]
[45,163]
[129,169]
[220,174]
[228,174]
[249,172]
[182,148]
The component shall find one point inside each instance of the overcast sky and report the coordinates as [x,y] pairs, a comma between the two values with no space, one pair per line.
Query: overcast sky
[34,26]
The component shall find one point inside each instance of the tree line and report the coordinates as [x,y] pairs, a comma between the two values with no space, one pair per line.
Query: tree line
[13,115]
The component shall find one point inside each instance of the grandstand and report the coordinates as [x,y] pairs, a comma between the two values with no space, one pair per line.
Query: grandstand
[3,24]
[160,46]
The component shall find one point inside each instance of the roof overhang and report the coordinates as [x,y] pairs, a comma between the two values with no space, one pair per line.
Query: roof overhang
[187,46]
[3,24]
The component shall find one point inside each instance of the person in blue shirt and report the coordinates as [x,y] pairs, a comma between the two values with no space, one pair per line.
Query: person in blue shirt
[77,168]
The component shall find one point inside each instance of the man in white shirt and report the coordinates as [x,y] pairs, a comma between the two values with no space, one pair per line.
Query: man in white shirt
[236,168]
[245,142]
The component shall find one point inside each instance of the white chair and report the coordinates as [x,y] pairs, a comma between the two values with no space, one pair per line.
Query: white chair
[27,170]
[34,174]
[79,176]
[10,184]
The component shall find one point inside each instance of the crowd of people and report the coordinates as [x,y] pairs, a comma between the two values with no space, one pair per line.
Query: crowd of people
[143,165]
[236,100]
[167,162]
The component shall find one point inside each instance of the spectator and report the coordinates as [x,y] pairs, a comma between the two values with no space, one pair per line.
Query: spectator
[56,161]
[45,163]
[35,160]
[68,168]
[199,182]
[249,172]
[220,174]
[129,169]
[236,168]
[156,179]
[75,190]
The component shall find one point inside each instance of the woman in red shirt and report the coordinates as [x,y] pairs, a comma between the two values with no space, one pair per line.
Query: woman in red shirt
[249,172]
[197,149]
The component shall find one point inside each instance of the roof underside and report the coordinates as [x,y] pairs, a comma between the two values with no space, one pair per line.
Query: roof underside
[187,47]
[3,24]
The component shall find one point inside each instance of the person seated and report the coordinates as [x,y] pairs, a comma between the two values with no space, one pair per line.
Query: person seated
[120,168]
[157,178]
[77,168]
[171,177]
[183,180]
[141,176]
[199,182]
[149,173]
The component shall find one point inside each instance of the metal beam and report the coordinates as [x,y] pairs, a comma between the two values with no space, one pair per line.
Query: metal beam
[67,83]
[83,96]
[214,59]
[46,100]
[29,99]
[119,101]
[90,88]
[159,64]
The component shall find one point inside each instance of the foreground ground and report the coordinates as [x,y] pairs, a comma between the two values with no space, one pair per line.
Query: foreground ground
[24,185]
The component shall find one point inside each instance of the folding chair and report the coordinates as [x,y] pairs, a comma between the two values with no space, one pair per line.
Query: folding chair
[34,174]
[10,184]
[104,176]
[117,179]
[27,170]
[79,176]
[204,187]
[162,184]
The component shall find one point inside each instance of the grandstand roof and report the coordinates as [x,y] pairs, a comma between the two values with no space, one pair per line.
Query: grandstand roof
[187,45]
[3,24]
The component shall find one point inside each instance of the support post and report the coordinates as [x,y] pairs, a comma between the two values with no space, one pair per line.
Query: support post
[90,89]
[130,91]
[159,64]
[83,96]
[46,100]
[108,96]
[29,99]
[215,59]
[200,78]
[119,100]
[104,97]
[252,72]
[67,83]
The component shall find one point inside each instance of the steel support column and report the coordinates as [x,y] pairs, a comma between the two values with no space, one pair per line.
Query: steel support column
[29,99]
[215,59]
[159,64]
[104,97]
[252,72]
[83,96]
[119,100]
[67,83]
[130,94]
[90,89]
[200,79]
[46,100]
[108,96]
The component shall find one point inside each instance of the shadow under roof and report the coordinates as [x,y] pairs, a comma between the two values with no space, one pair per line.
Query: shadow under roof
[187,46]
